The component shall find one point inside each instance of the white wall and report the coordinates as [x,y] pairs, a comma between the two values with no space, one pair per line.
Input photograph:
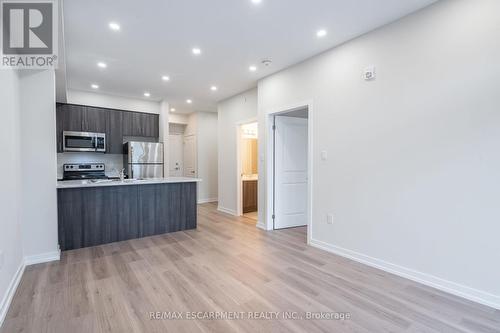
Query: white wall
[207,156]
[178,118]
[413,175]
[112,102]
[38,160]
[11,251]
[192,124]
[232,111]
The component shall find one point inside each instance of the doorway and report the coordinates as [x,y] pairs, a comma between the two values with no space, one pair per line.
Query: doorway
[182,155]
[176,149]
[248,177]
[291,159]
[190,162]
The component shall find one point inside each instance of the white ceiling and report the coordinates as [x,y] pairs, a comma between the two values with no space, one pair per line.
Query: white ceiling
[157,36]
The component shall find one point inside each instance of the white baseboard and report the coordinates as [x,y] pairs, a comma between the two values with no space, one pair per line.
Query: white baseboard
[203,201]
[11,290]
[41,258]
[227,211]
[9,294]
[450,287]
[261,225]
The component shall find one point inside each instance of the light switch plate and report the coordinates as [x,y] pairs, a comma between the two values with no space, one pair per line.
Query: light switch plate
[324,155]
[329,219]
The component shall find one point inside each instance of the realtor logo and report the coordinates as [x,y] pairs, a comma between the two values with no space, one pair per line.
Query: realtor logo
[29,34]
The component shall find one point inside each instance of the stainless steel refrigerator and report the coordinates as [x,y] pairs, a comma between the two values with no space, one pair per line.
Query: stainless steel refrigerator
[143,160]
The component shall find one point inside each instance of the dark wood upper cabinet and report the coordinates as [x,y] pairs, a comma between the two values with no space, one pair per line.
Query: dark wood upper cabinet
[115,123]
[94,120]
[130,124]
[73,117]
[59,126]
[140,124]
[114,133]
[151,125]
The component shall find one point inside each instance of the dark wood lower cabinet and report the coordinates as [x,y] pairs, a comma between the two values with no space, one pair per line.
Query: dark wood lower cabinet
[250,196]
[92,216]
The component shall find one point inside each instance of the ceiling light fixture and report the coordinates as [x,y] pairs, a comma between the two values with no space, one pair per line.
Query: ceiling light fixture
[196,51]
[252,68]
[165,78]
[102,64]
[172,110]
[114,26]
[213,88]
[94,86]
[256,1]
[321,33]
[189,101]
[147,94]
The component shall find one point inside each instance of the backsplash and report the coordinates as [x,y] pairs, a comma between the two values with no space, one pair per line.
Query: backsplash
[113,162]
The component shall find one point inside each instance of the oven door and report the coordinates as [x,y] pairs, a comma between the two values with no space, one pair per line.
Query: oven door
[79,141]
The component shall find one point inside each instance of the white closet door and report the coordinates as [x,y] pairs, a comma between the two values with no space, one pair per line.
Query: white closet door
[291,174]
[176,155]
[190,169]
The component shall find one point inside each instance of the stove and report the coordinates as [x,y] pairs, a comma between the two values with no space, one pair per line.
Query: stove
[84,171]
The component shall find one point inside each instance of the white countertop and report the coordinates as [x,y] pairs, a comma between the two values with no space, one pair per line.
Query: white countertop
[101,183]
[250,177]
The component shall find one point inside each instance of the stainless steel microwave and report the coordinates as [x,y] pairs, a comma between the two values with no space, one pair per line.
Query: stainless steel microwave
[84,141]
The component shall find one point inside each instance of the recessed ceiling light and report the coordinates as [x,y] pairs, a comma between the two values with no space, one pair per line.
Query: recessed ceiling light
[172,110]
[196,51]
[114,26]
[189,101]
[213,88]
[102,64]
[165,78]
[94,86]
[147,94]
[252,68]
[321,33]
[256,1]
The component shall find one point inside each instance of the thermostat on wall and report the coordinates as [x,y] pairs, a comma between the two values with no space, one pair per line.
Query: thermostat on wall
[369,73]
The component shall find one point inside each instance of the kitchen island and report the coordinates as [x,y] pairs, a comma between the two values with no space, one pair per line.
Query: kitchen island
[92,213]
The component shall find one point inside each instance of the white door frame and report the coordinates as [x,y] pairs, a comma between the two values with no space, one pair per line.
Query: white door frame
[270,162]
[239,142]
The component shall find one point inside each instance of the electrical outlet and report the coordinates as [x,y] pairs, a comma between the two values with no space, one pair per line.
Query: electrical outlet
[369,73]
[1,260]
[329,219]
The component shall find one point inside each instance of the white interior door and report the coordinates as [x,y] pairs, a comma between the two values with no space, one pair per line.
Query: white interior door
[190,169]
[291,174]
[176,155]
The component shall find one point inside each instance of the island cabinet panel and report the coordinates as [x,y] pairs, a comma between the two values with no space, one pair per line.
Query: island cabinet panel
[93,216]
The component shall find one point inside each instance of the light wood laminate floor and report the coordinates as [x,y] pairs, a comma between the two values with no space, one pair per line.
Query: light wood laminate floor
[227,264]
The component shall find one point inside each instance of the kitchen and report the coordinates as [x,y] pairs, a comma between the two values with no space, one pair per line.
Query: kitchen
[113,184]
